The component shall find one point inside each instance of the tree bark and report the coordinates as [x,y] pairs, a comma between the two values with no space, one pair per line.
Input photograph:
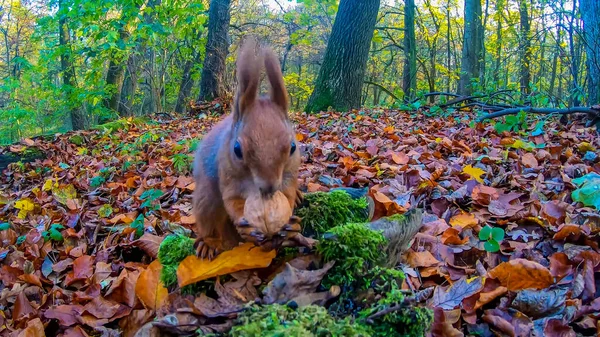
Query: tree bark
[340,80]
[114,77]
[472,46]
[525,48]
[409,76]
[217,45]
[186,83]
[68,71]
[590,13]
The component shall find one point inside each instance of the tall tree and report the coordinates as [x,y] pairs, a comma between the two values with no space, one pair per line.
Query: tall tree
[67,68]
[524,47]
[590,13]
[217,45]
[472,46]
[409,76]
[115,75]
[340,79]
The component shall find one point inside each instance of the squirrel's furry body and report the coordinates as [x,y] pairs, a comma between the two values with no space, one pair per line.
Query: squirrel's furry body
[251,150]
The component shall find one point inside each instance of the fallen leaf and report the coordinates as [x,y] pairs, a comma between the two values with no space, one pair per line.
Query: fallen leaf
[67,314]
[421,259]
[292,282]
[246,256]
[474,172]
[528,159]
[149,289]
[463,220]
[519,274]
[149,243]
[442,328]
[452,296]
[34,328]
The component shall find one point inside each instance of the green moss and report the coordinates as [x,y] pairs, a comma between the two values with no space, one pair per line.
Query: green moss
[322,211]
[383,280]
[278,320]
[409,321]
[76,139]
[355,248]
[171,252]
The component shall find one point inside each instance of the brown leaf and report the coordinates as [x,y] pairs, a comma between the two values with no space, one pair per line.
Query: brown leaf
[123,289]
[528,159]
[75,332]
[133,322]
[292,283]
[188,220]
[34,328]
[450,237]
[560,266]
[31,279]
[101,308]
[556,328]
[22,309]
[66,315]
[247,256]
[149,289]
[519,274]
[441,327]
[421,259]
[83,268]
[500,321]
[149,243]
[483,195]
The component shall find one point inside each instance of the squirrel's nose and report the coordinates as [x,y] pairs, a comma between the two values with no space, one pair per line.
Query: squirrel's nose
[267,190]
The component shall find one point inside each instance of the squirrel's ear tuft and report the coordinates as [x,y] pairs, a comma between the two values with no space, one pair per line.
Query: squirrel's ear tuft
[248,76]
[279,93]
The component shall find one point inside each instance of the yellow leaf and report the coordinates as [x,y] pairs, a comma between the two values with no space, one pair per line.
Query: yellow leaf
[48,185]
[464,220]
[149,289]
[64,194]
[24,206]
[474,172]
[247,256]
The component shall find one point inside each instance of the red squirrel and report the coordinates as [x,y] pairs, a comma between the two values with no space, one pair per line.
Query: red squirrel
[252,150]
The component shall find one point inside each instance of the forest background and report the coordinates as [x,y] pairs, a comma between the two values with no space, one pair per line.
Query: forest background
[72,64]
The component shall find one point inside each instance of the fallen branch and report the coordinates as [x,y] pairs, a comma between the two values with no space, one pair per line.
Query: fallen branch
[404,304]
[382,89]
[544,111]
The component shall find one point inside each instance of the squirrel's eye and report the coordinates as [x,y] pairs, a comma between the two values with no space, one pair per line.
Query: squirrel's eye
[293,149]
[237,149]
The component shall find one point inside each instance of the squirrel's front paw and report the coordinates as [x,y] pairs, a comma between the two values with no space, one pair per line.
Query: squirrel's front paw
[248,232]
[205,250]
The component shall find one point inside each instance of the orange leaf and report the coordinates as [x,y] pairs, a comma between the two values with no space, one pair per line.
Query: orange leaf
[149,289]
[450,237]
[422,259]
[246,256]
[519,274]
[31,279]
[528,159]
[400,158]
[299,137]
[188,220]
[464,220]
[34,328]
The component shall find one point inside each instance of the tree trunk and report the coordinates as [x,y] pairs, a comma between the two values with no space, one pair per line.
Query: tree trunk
[217,45]
[590,13]
[472,47]
[131,70]
[499,6]
[68,71]
[340,80]
[525,48]
[409,78]
[114,77]
[186,83]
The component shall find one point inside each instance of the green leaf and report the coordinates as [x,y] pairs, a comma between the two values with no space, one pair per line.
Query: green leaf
[588,192]
[97,181]
[64,166]
[485,233]
[4,226]
[138,225]
[497,234]
[491,246]
[21,239]
[105,211]
[55,235]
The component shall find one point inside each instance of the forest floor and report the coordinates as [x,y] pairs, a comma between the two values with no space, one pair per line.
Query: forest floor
[72,260]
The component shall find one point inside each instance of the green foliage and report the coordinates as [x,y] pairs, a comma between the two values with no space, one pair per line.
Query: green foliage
[150,198]
[322,211]
[516,122]
[4,226]
[383,280]
[492,237]
[105,211]
[588,190]
[138,225]
[53,233]
[408,321]
[182,163]
[355,248]
[277,320]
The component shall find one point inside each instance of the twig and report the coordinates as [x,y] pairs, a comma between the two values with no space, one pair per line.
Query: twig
[544,111]
[383,89]
[407,301]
